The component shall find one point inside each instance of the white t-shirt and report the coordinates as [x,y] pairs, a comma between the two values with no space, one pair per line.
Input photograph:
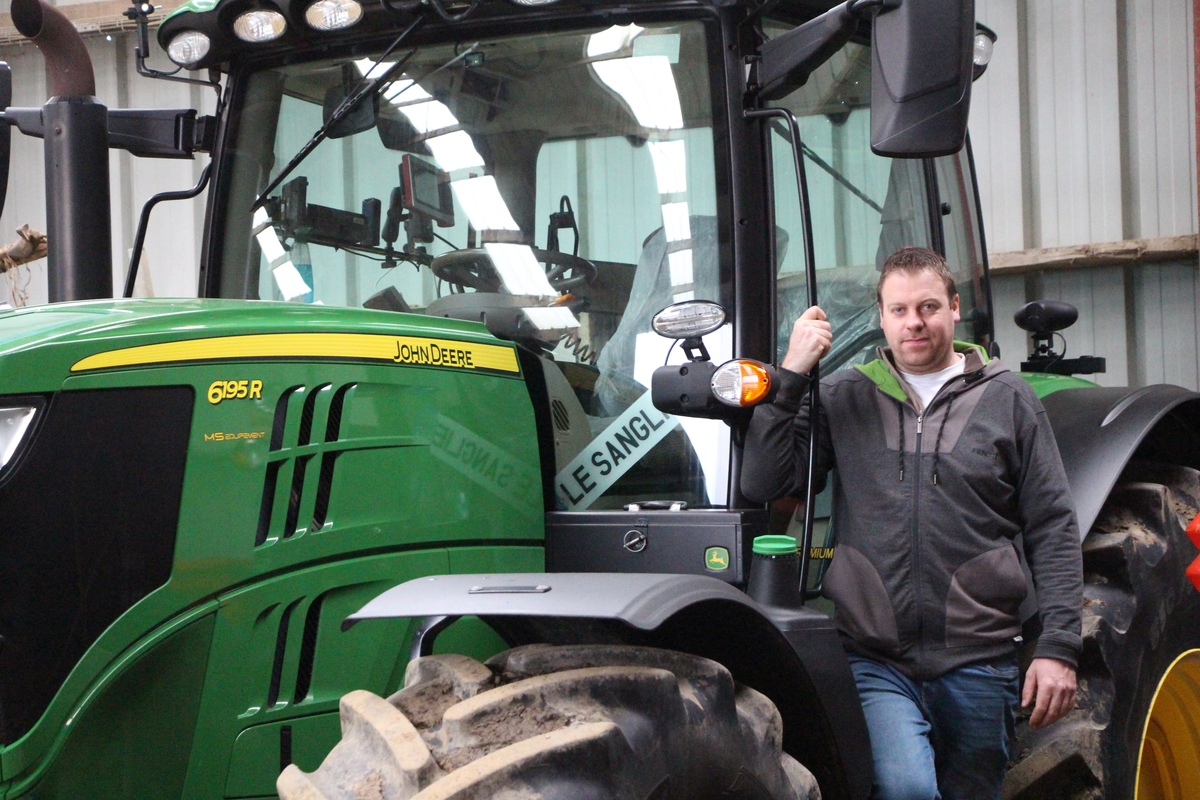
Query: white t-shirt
[927,386]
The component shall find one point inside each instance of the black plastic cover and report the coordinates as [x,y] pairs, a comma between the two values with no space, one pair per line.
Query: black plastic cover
[1045,316]
[686,391]
[89,522]
[1099,430]
[921,71]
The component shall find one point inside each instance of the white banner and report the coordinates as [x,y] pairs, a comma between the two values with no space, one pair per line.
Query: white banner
[610,455]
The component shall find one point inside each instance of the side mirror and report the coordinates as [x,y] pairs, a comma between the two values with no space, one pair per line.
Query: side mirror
[921,71]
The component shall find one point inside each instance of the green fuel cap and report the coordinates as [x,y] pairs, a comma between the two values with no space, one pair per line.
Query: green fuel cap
[775,545]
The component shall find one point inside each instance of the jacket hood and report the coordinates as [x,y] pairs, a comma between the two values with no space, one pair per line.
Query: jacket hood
[884,374]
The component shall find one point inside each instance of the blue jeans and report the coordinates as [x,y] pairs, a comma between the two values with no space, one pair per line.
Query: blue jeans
[945,738]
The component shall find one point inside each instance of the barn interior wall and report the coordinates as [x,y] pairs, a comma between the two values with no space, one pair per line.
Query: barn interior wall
[1084,132]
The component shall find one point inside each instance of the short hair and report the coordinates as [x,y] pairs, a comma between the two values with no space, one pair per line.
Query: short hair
[912,260]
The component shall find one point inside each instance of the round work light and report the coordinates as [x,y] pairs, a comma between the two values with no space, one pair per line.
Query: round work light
[983,49]
[333,15]
[259,25]
[188,47]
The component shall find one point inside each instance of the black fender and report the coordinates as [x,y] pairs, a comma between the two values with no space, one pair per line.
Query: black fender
[799,663]
[1100,430]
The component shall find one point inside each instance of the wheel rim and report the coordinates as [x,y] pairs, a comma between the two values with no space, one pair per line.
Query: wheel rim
[1169,764]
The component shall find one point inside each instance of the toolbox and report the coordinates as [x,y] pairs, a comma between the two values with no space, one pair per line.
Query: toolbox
[714,542]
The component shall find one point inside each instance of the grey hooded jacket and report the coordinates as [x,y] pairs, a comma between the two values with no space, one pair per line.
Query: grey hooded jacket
[927,503]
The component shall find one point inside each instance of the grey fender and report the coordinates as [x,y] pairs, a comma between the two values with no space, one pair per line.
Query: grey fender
[798,663]
[1100,430]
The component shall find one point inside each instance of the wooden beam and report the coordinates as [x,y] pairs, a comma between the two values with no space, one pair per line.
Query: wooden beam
[1134,251]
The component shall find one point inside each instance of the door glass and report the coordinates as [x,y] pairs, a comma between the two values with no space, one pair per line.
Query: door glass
[964,245]
[864,208]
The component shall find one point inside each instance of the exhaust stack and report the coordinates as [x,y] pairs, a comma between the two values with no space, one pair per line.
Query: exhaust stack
[78,215]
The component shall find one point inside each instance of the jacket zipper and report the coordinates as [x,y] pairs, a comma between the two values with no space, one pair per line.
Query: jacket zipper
[916,538]
[916,529]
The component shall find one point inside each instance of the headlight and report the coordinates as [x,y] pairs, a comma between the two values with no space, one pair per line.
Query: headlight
[188,47]
[259,25]
[534,2]
[333,15]
[14,422]
[741,382]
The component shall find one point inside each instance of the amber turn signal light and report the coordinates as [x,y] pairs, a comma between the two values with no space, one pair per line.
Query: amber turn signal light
[741,382]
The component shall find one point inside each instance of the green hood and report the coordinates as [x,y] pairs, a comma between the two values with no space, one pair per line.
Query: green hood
[43,345]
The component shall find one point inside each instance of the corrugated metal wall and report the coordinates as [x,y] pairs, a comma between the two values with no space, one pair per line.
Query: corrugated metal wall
[1084,130]
[172,246]
[1084,124]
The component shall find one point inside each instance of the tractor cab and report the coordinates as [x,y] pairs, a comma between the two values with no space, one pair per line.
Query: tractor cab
[561,183]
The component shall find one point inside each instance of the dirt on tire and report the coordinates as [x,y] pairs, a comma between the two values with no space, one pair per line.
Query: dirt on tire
[542,722]
[1139,613]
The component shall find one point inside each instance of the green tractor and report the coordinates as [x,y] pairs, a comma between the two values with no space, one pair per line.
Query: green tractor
[416,439]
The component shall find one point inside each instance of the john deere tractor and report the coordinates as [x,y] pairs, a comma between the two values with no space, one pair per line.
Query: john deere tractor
[426,436]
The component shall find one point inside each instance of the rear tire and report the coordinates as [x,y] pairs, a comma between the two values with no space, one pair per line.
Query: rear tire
[1140,613]
[579,722]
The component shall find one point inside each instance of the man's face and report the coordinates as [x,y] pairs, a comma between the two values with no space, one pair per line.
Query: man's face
[918,321]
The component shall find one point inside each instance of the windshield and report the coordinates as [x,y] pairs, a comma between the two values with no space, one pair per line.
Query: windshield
[559,187]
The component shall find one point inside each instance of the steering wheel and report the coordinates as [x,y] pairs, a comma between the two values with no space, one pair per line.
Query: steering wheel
[474,269]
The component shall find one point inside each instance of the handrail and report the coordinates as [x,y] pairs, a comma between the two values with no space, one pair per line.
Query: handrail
[810,273]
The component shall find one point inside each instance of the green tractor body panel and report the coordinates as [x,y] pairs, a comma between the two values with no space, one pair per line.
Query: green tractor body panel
[204,490]
[193,6]
[1044,383]
[212,637]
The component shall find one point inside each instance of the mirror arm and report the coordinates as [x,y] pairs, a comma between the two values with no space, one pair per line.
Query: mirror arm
[787,60]
[144,132]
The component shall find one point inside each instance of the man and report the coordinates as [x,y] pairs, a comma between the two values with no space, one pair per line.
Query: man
[942,458]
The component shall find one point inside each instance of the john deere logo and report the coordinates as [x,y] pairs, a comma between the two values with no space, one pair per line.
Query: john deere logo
[716,558]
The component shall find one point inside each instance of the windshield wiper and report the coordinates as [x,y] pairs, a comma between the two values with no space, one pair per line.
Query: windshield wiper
[361,92]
